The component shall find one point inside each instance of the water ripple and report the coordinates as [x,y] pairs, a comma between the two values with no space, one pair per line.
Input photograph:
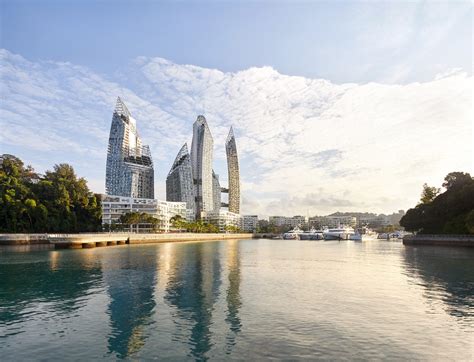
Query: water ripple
[249,299]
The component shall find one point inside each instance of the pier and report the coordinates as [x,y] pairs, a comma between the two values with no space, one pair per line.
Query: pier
[95,240]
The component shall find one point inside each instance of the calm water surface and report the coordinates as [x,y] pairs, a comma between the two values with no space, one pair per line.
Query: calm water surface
[248,299]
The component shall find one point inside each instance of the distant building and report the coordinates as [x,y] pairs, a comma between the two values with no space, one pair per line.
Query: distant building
[336,221]
[396,217]
[179,183]
[201,162]
[332,221]
[129,169]
[250,223]
[288,221]
[375,221]
[115,206]
[233,173]
[216,192]
[222,219]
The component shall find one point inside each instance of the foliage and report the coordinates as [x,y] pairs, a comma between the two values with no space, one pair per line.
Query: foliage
[387,229]
[59,201]
[132,219]
[456,179]
[265,227]
[178,222]
[451,212]
[232,229]
[428,194]
[198,226]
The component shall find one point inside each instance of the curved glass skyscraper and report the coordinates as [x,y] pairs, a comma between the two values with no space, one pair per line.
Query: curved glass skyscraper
[201,162]
[216,191]
[233,173]
[179,183]
[129,169]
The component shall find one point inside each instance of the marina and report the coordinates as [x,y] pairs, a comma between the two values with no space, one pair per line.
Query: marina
[340,233]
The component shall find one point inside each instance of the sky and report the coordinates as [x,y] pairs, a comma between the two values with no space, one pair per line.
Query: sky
[336,106]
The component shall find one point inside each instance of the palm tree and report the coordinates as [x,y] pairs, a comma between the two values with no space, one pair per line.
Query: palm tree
[178,222]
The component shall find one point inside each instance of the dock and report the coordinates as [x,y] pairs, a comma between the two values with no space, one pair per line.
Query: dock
[94,240]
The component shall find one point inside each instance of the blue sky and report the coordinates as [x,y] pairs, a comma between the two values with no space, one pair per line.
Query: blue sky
[339,41]
[335,105]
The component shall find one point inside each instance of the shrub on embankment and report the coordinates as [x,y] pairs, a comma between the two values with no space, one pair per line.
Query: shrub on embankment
[450,212]
[57,201]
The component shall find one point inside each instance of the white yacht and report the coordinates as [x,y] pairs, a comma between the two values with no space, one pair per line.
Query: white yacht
[312,235]
[293,234]
[340,233]
[363,234]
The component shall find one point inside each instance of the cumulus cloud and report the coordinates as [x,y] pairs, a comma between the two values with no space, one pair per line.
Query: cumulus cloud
[305,145]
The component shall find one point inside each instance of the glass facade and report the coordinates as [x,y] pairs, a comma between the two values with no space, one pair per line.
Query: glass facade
[201,163]
[179,182]
[233,173]
[216,191]
[129,169]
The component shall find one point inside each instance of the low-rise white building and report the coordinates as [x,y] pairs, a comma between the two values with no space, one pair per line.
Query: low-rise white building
[336,221]
[222,219]
[332,221]
[115,206]
[291,221]
[250,223]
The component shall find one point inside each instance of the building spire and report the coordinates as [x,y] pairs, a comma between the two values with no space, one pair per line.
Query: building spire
[230,136]
[183,152]
[121,108]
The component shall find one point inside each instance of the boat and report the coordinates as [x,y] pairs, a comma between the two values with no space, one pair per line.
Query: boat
[363,234]
[340,233]
[293,234]
[312,235]
[356,237]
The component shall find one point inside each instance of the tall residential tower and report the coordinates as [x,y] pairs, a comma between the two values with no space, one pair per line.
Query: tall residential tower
[129,169]
[201,162]
[233,173]
[216,191]
[179,183]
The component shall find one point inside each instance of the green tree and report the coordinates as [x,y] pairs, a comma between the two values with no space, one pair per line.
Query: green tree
[135,219]
[428,194]
[469,220]
[232,229]
[456,179]
[16,198]
[178,222]
[449,212]
[56,202]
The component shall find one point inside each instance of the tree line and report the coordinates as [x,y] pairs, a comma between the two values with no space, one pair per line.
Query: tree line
[57,201]
[199,226]
[448,212]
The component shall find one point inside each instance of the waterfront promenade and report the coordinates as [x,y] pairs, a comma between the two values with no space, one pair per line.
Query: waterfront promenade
[92,240]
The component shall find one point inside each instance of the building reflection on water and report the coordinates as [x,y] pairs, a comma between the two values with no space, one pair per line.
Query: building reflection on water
[193,288]
[130,279]
[190,279]
[233,293]
[443,273]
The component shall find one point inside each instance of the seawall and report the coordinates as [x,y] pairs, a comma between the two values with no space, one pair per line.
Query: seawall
[91,240]
[439,240]
[23,239]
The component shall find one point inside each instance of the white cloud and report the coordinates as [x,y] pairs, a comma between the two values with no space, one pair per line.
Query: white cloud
[305,145]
